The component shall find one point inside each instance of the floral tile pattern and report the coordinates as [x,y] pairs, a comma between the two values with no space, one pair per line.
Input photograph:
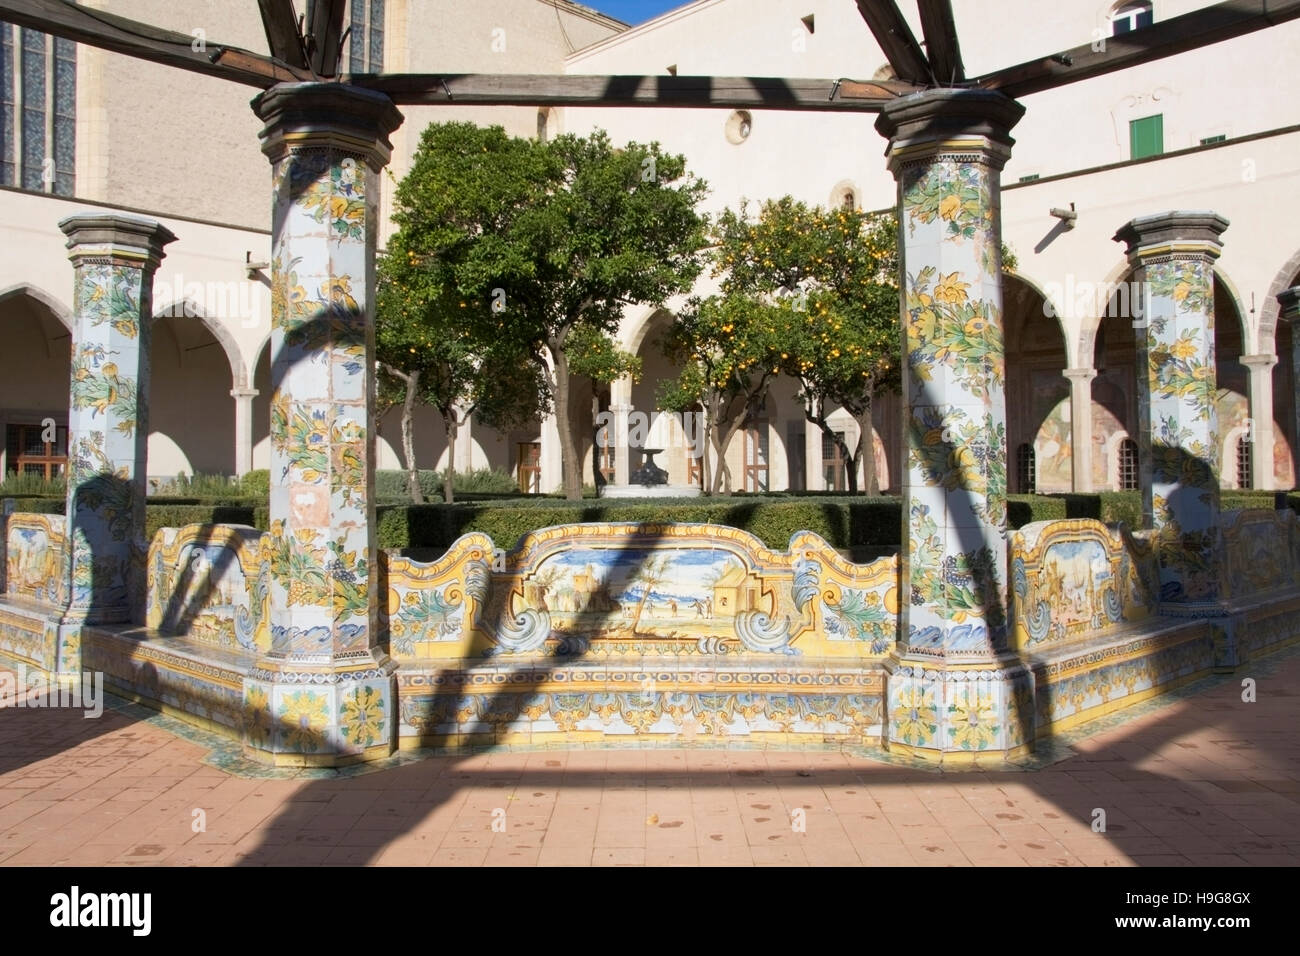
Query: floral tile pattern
[1178,421]
[954,380]
[113,266]
[321,543]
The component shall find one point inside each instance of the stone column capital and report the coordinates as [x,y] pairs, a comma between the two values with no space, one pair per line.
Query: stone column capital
[1289,300]
[1177,234]
[961,122]
[329,115]
[244,391]
[116,238]
[1261,363]
[1081,376]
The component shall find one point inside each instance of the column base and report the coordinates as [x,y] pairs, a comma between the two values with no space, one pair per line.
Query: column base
[958,713]
[303,717]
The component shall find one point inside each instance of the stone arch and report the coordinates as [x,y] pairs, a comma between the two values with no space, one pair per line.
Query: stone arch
[1085,346]
[35,364]
[1222,283]
[1287,277]
[55,307]
[186,309]
[192,412]
[1038,394]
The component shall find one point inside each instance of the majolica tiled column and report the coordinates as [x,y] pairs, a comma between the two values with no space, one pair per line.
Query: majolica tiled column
[1173,256]
[114,258]
[324,693]
[954,691]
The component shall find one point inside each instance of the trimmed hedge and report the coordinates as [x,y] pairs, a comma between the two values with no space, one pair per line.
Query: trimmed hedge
[848,522]
[1024,509]
[864,522]
[176,516]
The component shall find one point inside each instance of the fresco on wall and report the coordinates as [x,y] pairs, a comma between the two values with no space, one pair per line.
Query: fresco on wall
[1053,458]
[35,560]
[1110,402]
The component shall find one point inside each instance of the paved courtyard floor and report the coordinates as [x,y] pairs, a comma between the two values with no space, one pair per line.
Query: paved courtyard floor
[1201,778]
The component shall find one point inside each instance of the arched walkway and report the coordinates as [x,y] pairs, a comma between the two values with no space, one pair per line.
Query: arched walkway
[1038,394]
[34,370]
[191,411]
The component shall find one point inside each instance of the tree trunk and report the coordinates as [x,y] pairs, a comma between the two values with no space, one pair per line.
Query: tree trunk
[412,381]
[568,447]
[452,426]
[866,451]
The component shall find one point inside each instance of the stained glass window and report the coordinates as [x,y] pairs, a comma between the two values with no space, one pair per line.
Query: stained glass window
[7,105]
[33,110]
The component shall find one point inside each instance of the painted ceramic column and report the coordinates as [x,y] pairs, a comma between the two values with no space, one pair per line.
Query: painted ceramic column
[324,692]
[1260,430]
[243,396]
[954,691]
[114,258]
[1081,426]
[1173,257]
[1289,300]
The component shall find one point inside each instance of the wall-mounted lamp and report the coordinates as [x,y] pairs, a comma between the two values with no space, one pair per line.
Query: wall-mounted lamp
[251,267]
[1067,216]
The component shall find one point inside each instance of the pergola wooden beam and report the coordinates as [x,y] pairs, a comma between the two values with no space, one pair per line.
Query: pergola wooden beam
[734,92]
[132,38]
[325,30]
[1203,27]
[896,40]
[282,38]
[1199,28]
[941,46]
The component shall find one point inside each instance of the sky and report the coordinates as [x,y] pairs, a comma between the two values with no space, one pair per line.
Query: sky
[633,11]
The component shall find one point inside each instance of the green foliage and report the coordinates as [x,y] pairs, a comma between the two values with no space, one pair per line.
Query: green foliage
[1247,499]
[256,483]
[390,486]
[40,506]
[22,485]
[594,353]
[807,292]
[176,516]
[198,486]
[845,523]
[1025,509]
[537,247]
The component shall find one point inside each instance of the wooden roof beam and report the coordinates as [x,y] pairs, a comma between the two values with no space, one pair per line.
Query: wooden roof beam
[282,37]
[108,31]
[1199,28]
[325,35]
[941,46]
[734,92]
[896,40]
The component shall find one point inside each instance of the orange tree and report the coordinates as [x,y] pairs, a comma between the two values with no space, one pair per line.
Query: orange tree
[807,292]
[729,348]
[547,243]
